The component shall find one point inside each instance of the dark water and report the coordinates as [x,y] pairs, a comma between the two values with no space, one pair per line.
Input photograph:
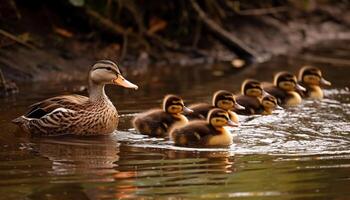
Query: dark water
[297,153]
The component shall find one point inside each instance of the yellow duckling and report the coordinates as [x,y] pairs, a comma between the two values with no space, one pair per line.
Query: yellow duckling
[157,122]
[75,114]
[250,97]
[284,89]
[201,133]
[221,99]
[311,78]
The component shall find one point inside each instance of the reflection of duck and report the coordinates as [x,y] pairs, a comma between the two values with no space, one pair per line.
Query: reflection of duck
[311,78]
[221,99]
[75,114]
[284,89]
[205,133]
[87,159]
[156,122]
[72,155]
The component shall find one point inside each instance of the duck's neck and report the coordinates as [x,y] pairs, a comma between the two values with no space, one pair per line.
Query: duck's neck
[97,92]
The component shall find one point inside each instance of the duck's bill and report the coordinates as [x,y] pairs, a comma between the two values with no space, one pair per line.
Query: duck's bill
[299,87]
[186,110]
[239,107]
[124,83]
[232,123]
[325,82]
[264,93]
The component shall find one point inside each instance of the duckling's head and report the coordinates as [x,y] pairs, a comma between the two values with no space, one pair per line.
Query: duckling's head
[225,100]
[174,104]
[252,88]
[269,102]
[312,76]
[107,72]
[287,81]
[218,118]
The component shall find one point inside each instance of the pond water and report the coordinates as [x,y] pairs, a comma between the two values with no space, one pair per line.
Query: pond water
[296,153]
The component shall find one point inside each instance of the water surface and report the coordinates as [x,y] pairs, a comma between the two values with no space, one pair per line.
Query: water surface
[296,153]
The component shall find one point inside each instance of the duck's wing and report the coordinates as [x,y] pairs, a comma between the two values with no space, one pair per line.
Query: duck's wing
[70,102]
[251,105]
[200,111]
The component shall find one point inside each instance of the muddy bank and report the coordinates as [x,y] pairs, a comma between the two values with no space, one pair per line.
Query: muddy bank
[38,43]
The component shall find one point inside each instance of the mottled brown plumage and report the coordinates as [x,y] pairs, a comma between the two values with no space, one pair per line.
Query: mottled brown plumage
[311,79]
[284,89]
[250,97]
[221,99]
[201,133]
[75,114]
[157,122]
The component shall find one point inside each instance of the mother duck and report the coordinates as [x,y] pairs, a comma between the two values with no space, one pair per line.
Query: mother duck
[76,114]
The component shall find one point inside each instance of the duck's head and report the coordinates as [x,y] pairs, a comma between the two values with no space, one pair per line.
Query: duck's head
[218,118]
[312,76]
[174,104]
[269,102]
[252,88]
[287,81]
[225,100]
[107,72]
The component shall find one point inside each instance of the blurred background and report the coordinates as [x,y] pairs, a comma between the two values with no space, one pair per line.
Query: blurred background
[191,48]
[55,40]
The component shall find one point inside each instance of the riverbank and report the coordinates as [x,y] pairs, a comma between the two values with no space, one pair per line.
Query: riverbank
[38,43]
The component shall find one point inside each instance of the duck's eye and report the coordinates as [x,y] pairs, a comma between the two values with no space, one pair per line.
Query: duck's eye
[109,69]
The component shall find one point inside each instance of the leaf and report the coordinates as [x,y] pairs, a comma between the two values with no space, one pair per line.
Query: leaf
[77,3]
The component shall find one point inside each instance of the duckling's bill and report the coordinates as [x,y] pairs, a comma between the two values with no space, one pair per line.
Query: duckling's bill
[299,87]
[187,110]
[232,123]
[120,80]
[325,82]
[239,107]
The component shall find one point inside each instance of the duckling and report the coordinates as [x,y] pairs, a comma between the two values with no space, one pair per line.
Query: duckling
[76,114]
[311,78]
[221,99]
[250,97]
[157,122]
[269,104]
[284,89]
[201,133]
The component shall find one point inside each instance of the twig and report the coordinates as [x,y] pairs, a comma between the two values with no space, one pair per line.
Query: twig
[230,40]
[124,48]
[2,80]
[16,39]
[104,22]
[263,11]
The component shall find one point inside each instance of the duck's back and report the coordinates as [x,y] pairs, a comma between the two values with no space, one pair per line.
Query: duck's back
[196,133]
[154,122]
[251,104]
[278,93]
[200,111]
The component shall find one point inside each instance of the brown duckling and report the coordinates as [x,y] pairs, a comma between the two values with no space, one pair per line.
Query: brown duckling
[311,78]
[76,114]
[201,133]
[250,97]
[269,104]
[221,99]
[157,122]
[285,89]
